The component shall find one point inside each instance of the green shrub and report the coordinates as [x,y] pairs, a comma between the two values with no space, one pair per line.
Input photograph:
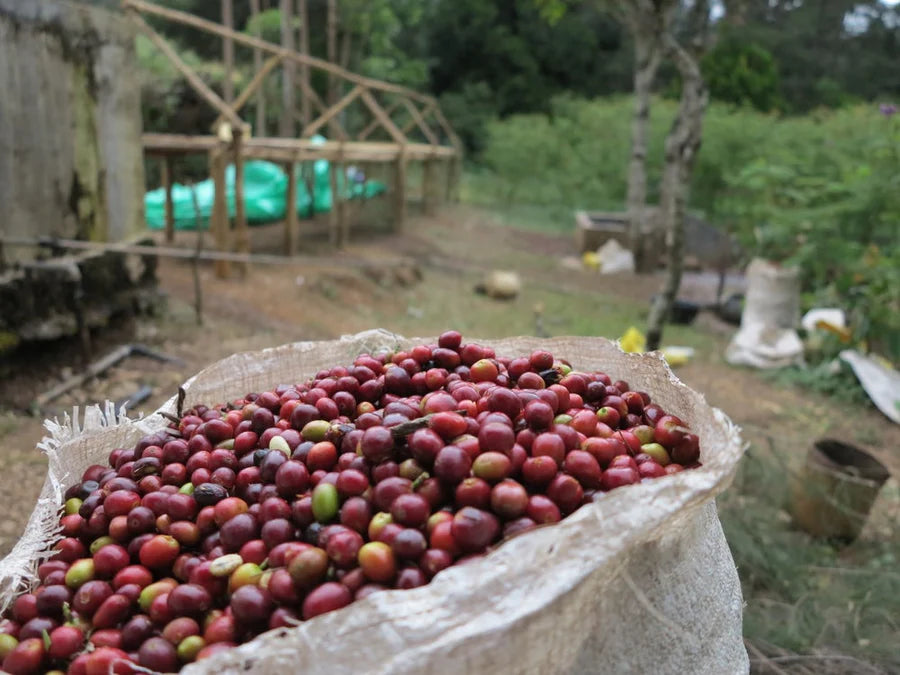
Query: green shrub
[821,191]
[744,74]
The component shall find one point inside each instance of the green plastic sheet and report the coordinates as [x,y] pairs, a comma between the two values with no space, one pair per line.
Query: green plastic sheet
[265,195]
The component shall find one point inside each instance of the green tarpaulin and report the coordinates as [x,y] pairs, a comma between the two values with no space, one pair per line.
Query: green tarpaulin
[265,192]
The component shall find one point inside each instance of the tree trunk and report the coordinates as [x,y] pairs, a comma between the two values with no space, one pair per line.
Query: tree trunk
[228,51]
[647,57]
[682,145]
[286,122]
[331,23]
[260,127]
[305,103]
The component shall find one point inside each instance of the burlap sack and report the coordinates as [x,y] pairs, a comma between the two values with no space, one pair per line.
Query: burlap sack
[641,581]
[768,337]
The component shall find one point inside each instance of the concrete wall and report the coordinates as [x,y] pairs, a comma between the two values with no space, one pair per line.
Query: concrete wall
[70,123]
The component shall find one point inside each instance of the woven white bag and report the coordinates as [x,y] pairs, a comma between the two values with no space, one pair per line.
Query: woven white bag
[641,581]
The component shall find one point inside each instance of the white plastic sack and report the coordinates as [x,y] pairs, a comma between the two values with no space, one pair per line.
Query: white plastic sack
[615,258]
[641,581]
[767,337]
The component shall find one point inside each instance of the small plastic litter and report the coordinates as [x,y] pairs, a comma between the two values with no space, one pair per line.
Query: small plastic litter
[830,320]
[678,356]
[633,341]
[880,380]
[591,260]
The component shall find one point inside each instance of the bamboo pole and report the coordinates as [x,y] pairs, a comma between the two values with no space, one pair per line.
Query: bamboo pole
[334,125]
[260,126]
[218,221]
[426,111]
[341,202]
[400,192]
[420,122]
[334,110]
[445,125]
[290,213]
[429,185]
[249,41]
[193,79]
[454,176]
[314,98]
[383,118]
[333,222]
[286,123]
[228,51]
[297,149]
[195,260]
[240,215]
[374,124]
[187,254]
[254,85]
[344,213]
[167,179]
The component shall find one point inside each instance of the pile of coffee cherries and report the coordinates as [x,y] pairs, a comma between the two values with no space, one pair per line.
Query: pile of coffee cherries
[286,504]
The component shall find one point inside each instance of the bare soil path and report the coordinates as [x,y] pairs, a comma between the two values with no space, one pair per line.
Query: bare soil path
[279,304]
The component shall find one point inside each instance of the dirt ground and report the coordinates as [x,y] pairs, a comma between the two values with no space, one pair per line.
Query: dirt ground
[448,256]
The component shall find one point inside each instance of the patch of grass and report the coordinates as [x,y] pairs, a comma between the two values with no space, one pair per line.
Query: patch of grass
[805,595]
[435,306]
[484,189]
[8,423]
[833,379]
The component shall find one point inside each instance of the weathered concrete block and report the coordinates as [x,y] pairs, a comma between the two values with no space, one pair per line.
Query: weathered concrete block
[41,299]
[70,123]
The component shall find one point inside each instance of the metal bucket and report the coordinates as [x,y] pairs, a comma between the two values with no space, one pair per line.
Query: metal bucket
[833,494]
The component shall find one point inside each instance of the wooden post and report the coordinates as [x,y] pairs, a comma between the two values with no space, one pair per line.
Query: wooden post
[429,185]
[454,173]
[290,213]
[260,127]
[195,261]
[218,221]
[333,214]
[167,178]
[286,123]
[343,208]
[240,216]
[228,51]
[400,191]
[305,111]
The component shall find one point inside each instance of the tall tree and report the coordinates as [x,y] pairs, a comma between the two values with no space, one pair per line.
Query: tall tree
[682,145]
[260,126]
[286,122]
[331,28]
[303,45]
[648,21]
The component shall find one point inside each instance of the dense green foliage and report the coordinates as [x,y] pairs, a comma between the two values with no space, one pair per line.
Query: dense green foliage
[742,73]
[489,59]
[821,191]
[827,51]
